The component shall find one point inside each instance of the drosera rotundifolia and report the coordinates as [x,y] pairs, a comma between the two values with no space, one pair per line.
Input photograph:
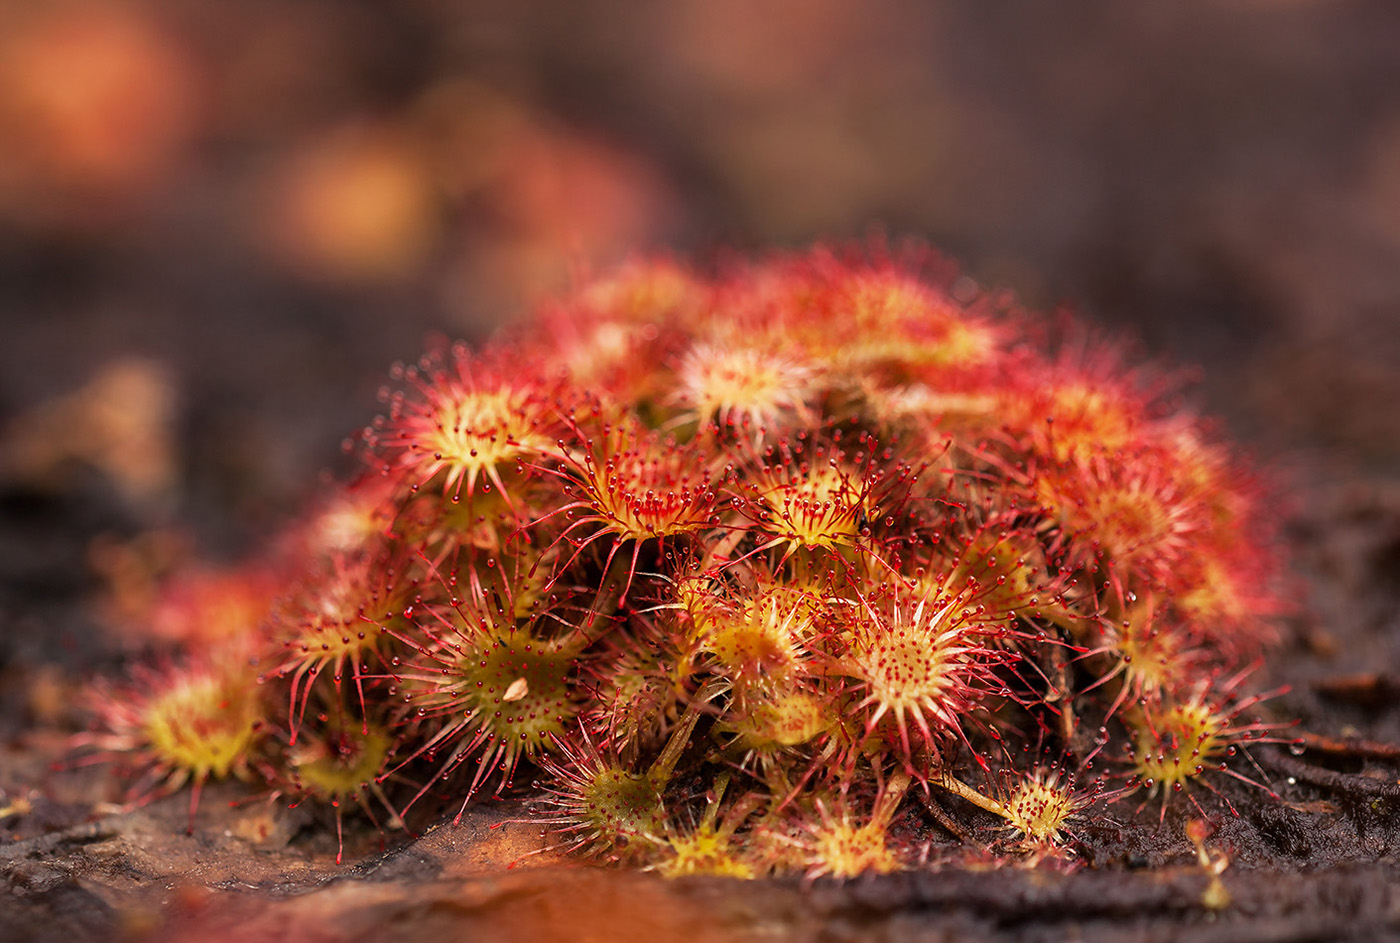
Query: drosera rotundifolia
[720,570]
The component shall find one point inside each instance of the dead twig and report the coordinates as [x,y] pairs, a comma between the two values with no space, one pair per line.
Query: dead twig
[1345,783]
[1350,746]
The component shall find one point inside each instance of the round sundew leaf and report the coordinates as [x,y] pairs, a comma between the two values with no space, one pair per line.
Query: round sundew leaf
[204,724]
[517,689]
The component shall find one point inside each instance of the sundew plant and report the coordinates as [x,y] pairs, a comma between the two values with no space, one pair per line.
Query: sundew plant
[726,572]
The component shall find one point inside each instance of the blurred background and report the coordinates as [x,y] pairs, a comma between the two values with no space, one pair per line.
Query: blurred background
[220,223]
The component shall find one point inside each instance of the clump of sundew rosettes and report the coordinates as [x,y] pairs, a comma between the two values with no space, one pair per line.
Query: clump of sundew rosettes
[728,566]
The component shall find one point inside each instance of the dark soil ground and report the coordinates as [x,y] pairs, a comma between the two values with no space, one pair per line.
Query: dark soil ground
[1220,179]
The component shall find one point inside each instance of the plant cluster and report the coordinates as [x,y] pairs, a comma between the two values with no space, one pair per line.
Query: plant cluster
[733,565]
